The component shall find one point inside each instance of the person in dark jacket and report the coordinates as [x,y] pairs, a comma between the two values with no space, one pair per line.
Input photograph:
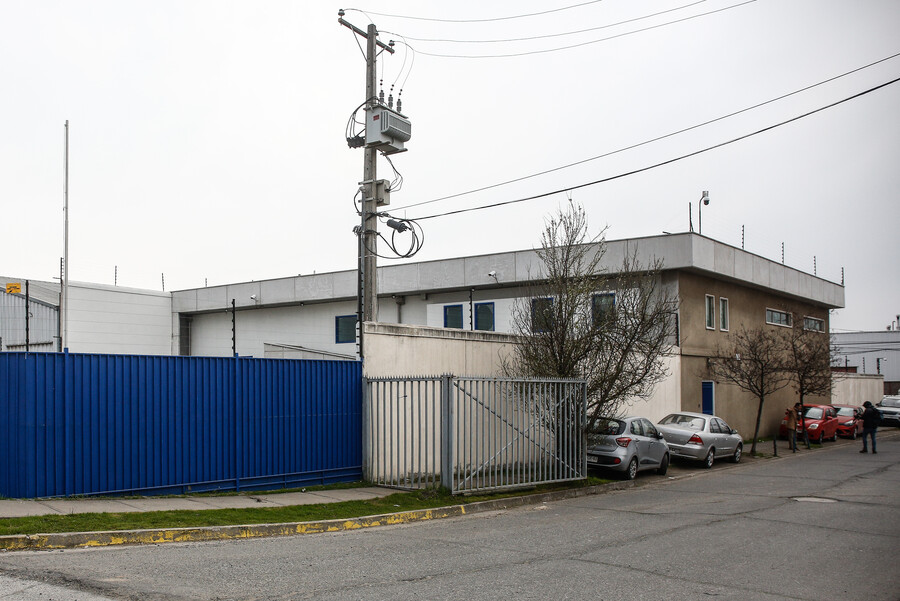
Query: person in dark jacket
[870,419]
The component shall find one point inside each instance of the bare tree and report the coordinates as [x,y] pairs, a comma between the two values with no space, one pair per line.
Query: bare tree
[808,363]
[754,360]
[584,321]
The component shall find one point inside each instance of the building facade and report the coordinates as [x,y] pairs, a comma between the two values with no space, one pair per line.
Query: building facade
[719,288]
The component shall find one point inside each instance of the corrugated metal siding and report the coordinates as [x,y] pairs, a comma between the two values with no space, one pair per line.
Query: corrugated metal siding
[43,326]
[77,424]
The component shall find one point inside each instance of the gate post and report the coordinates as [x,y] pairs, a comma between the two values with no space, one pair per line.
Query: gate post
[447,431]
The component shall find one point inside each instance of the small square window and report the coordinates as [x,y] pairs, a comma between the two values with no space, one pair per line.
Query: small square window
[345,329]
[723,314]
[541,314]
[453,316]
[484,316]
[710,312]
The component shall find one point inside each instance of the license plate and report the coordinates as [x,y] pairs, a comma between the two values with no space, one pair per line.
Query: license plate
[592,459]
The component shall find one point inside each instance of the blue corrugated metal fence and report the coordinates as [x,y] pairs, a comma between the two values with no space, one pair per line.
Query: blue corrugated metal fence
[78,424]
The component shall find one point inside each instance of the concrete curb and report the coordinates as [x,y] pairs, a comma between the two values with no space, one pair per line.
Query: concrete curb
[71,540]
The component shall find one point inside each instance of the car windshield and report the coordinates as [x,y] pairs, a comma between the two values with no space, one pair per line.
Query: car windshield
[813,412]
[683,421]
[846,411]
[890,402]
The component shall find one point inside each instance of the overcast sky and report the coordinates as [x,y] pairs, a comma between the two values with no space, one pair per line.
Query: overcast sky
[207,137]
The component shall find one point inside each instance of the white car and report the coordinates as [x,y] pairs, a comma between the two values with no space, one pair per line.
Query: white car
[700,437]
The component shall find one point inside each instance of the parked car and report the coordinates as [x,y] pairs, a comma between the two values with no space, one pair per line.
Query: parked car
[627,445]
[819,420]
[700,437]
[890,410]
[849,424]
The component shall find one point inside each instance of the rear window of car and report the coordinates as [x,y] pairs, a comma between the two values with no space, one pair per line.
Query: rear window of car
[608,427]
[683,421]
[814,413]
[846,411]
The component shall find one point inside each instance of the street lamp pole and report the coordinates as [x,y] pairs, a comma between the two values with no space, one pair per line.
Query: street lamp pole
[704,200]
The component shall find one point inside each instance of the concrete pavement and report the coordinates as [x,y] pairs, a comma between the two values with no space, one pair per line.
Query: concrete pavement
[16,508]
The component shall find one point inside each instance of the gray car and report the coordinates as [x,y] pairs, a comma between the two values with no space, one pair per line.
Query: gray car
[627,445]
[700,437]
[890,410]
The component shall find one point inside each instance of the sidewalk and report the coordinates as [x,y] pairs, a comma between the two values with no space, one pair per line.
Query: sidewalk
[17,508]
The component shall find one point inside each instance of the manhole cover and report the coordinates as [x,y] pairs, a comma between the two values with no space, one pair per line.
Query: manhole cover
[814,500]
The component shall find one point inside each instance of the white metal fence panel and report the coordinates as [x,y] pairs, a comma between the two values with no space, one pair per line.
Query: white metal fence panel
[473,434]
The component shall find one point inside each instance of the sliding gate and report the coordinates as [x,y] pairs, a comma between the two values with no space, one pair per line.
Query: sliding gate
[473,434]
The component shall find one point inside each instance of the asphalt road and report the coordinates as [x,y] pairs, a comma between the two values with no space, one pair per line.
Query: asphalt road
[817,525]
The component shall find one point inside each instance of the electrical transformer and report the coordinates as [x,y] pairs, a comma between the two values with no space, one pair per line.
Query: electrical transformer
[386,129]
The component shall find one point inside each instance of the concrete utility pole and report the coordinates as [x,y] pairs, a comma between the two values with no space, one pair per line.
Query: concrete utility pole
[369,204]
[368,234]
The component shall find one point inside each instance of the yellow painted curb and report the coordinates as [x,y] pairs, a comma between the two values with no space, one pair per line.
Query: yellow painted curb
[70,540]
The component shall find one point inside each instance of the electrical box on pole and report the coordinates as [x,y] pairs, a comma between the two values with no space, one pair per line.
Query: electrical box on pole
[386,129]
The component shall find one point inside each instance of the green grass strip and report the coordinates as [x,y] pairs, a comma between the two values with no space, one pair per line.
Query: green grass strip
[401,501]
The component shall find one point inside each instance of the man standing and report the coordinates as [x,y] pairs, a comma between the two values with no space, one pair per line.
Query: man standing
[870,419]
[791,417]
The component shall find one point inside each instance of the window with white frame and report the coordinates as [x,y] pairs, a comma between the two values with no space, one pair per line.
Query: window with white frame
[723,314]
[813,324]
[778,318]
[710,312]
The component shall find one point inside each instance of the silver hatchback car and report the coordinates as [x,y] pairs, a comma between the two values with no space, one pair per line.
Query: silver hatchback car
[701,437]
[627,445]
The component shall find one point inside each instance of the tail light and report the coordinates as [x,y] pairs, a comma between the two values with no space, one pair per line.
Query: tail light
[623,442]
[695,439]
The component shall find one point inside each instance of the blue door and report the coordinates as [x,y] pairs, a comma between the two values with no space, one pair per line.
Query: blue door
[707,404]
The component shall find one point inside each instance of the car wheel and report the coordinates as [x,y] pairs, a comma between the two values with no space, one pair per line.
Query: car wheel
[710,459]
[631,472]
[736,458]
[834,436]
[663,465]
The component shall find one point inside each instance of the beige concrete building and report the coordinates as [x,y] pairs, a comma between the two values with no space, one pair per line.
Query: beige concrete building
[720,288]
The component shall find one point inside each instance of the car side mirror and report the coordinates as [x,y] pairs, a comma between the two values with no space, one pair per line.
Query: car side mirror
[733,431]
[659,436]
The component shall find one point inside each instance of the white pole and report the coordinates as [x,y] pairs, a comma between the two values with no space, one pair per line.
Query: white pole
[65,282]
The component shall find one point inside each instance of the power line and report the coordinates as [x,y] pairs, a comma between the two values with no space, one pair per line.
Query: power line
[569,47]
[555,35]
[645,142]
[546,12]
[663,163]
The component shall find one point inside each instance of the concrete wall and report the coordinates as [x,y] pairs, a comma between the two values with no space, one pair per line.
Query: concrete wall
[402,350]
[856,389]
[111,319]
[311,326]
[666,397]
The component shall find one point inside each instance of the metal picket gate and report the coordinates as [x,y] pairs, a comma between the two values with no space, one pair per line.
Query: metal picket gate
[473,434]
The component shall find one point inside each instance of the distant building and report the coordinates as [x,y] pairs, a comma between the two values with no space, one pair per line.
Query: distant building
[876,352]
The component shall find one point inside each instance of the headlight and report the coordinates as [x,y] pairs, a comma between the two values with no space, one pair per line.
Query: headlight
[813,426]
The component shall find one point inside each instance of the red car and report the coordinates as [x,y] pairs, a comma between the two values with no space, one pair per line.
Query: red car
[820,420]
[849,424]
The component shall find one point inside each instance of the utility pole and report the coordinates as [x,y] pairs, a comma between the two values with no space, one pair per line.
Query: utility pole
[64,335]
[368,233]
[369,220]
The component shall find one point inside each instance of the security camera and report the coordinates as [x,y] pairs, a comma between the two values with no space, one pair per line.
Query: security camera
[252,297]
[492,274]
